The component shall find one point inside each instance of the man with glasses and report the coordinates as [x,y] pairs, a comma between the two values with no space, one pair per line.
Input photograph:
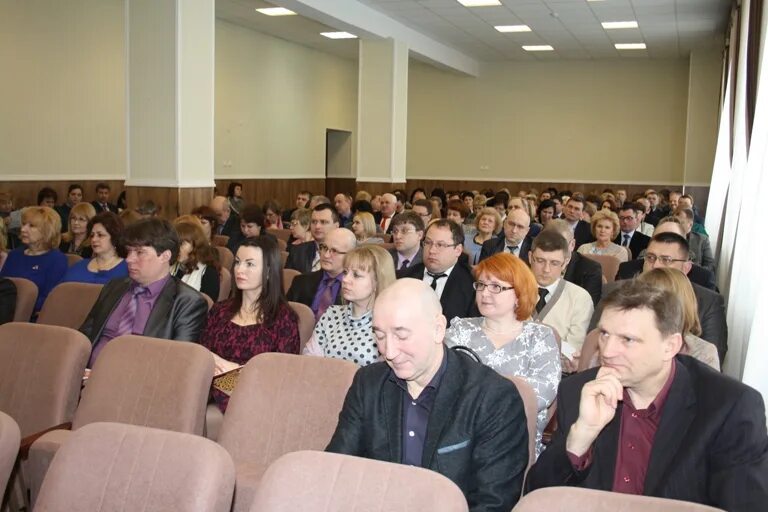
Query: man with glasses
[407,234]
[629,235]
[304,257]
[515,241]
[321,289]
[443,271]
[423,208]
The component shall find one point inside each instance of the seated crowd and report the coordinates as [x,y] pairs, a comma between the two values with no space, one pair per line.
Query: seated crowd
[605,307]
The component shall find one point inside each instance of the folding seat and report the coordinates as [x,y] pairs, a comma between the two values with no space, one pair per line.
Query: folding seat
[68,304]
[280,234]
[220,240]
[10,436]
[306,322]
[317,482]
[73,258]
[112,466]
[531,414]
[567,499]
[226,258]
[26,296]
[609,264]
[225,284]
[288,275]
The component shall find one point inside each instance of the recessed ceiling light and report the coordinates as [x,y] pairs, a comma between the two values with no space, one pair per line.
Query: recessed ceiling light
[276,11]
[338,35]
[479,3]
[610,25]
[630,46]
[538,48]
[513,28]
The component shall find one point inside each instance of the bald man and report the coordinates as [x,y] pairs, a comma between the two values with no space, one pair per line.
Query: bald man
[229,223]
[425,405]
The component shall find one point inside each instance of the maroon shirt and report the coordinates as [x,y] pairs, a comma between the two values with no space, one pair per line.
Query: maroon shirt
[636,433]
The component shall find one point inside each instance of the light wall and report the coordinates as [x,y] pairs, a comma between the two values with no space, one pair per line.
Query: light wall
[703,112]
[566,121]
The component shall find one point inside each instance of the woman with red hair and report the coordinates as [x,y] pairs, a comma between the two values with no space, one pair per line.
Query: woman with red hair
[505,338]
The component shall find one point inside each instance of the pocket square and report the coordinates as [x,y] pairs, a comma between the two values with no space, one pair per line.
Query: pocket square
[453,447]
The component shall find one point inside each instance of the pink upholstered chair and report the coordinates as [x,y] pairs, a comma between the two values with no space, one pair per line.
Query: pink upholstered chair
[68,304]
[568,499]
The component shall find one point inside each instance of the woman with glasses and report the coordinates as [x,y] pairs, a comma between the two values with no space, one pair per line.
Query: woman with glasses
[300,220]
[364,228]
[504,337]
[76,239]
[105,232]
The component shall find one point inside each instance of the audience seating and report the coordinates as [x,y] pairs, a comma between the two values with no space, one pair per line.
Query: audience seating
[282,403]
[387,246]
[208,300]
[73,258]
[589,351]
[567,499]
[317,482]
[283,257]
[531,414]
[306,322]
[220,240]
[10,436]
[280,234]
[68,304]
[226,258]
[225,284]
[26,296]
[288,275]
[282,244]
[140,381]
[609,264]
[111,466]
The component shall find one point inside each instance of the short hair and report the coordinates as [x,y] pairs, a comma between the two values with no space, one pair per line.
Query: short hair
[605,215]
[632,294]
[361,205]
[631,206]
[231,192]
[368,222]
[303,216]
[271,204]
[47,193]
[327,206]
[672,238]
[318,200]
[415,191]
[502,197]
[101,186]
[668,219]
[74,186]
[408,217]
[493,213]
[201,252]
[550,240]
[305,193]
[457,233]
[45,219]
[466,193]
[509,268]
[113,224]
[148,207]
[687,212]
[678,283]
[363,195]
[252,214]
[376,260]
[207,213]
[577,198]
[688,197]
[459,206]
[547,203]
[156,233]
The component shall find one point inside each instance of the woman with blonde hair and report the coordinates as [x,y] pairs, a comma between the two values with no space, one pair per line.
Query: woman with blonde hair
[487,223]
[76,240]
[346,332]
[678,283]
[605,227]
[364,228]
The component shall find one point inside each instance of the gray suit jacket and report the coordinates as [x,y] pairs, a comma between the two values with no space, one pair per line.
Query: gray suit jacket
[701,250]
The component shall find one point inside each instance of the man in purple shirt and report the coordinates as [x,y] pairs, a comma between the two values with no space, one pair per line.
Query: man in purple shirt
[654,422]
[150,302]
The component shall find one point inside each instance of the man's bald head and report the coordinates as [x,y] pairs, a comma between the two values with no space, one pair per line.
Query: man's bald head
[412,292]
[335,245]
[220,205]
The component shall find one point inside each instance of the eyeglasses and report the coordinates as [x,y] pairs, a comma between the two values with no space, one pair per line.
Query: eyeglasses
[627,218]
[403,232]
[543,262]
[320,222]
[333,252]
[438,245]
[665,260]
[492,287]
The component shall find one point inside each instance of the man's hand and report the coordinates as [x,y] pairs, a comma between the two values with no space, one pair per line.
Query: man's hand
[597,407]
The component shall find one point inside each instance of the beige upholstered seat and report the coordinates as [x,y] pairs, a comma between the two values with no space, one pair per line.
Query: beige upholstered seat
[73,258]
[220,240]
[306,322]
[140,381]
[609,264]
[531,414]
[319,482]
[288,275]
[282,244]
[111,466]
[282,403]
[225,284]
[9,448]
[590,351]
[568,499]
[280,234]
[283,257]
[68,304]
[226,258]
[26,295]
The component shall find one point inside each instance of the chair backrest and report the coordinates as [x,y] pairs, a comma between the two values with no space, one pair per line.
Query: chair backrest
[41,370]
[68,304]
[225,284]
[220,240]
[73,258]
[306,322]
[26,296]
[531,413]
[589,351]
[10,436]
[387,237]
[288,275]
[280,234]
[111,466]
[226,258]
[283,257]
[309,481]
[291,401]
[208,300]
[148,382]
[387,246]
[609,265]
[282,244]
[567,499]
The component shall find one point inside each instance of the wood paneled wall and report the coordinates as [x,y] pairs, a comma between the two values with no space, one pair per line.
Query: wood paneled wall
[25,192]
[173,201]
[284,191]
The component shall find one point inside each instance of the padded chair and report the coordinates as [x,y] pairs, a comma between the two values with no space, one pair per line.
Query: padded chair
[225,284]
[283,257]
[10,435]
[68,304]
[306,322]
[288,275]
[208,300]
[609,264]
[531,414]
[282,403]
[590,351]
[220,240]
[111,466]
[387,246]
[26,296]
[280,234]
[312,482]
[73,258]
[226,258]
[567,499]
[282,244]
[139,381]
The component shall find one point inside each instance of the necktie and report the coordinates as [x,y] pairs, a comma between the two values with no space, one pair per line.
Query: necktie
[542,294]
[326,298]
[625,243]
[404,264]
[513,249]
[384,222]
[129,317]
[435,277]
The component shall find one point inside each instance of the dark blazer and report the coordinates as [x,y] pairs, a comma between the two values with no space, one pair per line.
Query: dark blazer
[697,275]
[179,313]
[496,245]
[7,299]
[586,273]
[476,433]
[582,234]
[458,297]
[231,228]
[304,287]
[711,446]
[110,207]
[656,215]
[416,259]
[637,244]
[301,257]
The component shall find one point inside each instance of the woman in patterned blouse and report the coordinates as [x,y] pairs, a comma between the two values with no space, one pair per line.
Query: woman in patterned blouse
[345,332]
[258,318]
[504,337]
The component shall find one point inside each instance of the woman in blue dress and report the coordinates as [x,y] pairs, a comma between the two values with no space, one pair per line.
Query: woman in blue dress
[105,231]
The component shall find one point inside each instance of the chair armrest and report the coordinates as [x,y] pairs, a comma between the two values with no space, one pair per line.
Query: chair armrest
[27,441]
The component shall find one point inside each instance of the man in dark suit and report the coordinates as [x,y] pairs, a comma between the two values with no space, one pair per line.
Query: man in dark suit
[629,236]
[431,407]
[322,288]
[580,271]
[150,301]
[515,238]
[102,203]
[388,210]
[229,223]
[74,196]
[699,276]
[572,211]
[407,234]
[653,422]
[656,211]
[305,257]
[444,271]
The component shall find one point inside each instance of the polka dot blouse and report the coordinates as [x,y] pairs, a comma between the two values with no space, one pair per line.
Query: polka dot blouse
[342,336]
